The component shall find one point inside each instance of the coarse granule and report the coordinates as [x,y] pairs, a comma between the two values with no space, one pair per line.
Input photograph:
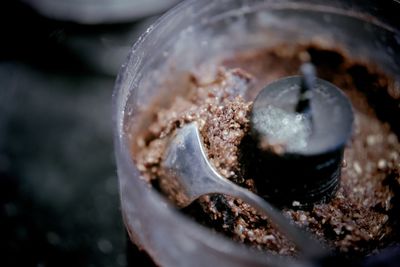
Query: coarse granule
[359,219]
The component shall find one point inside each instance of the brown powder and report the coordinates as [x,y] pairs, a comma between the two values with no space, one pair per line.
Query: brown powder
[358,219]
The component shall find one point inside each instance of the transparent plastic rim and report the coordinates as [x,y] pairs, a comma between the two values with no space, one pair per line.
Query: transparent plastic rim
[127,74]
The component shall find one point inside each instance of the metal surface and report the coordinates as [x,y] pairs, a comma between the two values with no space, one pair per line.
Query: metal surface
[307,85]
[188,169]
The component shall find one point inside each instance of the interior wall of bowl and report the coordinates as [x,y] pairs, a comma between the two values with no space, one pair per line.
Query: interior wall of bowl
[194,45]
[192,38]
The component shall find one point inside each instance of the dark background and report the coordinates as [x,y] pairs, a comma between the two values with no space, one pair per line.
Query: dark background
[59,202]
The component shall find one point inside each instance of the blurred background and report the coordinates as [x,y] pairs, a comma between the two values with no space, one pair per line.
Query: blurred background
[59,202]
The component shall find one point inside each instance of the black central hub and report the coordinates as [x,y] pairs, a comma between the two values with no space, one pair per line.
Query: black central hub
[300,126]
